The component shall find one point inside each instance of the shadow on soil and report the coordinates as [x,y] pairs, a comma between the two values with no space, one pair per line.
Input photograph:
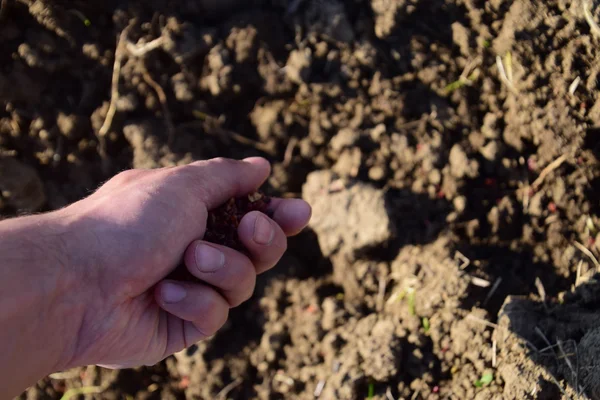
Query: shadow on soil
[566,334]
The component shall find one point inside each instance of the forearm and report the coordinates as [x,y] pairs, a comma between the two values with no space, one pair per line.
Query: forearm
[38,311]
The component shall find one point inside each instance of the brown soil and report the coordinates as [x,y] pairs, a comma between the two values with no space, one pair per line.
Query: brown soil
[462,203]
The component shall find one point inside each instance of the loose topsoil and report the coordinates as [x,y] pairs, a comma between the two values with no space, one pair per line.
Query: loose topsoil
[449,148]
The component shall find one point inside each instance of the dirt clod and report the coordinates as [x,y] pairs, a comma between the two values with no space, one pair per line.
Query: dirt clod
[350,219]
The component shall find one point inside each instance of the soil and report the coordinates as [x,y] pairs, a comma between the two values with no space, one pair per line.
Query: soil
[459,141]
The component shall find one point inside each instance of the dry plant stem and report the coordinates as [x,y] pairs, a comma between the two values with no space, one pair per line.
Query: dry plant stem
[319,388]
[573,87]
[594,28]
[289,152]
[141,50]
[388,394]
[114,90]
[549,168]
[381,294]
[479,282]
[503,77]
[566,358]
[588,253]
[465,262]
[162,98]
[578,276]
[227,389]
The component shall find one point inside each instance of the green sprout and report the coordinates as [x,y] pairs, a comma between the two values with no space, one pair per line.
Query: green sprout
[371,392]
[411,302]
[461,82]
[81,16]
[426,324]
[485,379]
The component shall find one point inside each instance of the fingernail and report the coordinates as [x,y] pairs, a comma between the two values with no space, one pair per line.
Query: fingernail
[208,258]
[263,230]
[172,293]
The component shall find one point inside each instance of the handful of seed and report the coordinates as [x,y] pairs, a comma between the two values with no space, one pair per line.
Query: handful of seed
[222,226]
[223,221]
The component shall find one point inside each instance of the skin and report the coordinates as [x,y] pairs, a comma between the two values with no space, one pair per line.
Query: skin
[85,285]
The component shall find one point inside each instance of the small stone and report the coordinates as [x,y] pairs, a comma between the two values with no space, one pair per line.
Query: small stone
[376,173]
[348,164]
[459,163]
[378,132]
[435,177]
[72,126]
[460,203]
[491,150]
[344,138]
[297,68]
[181,88]
[490,126]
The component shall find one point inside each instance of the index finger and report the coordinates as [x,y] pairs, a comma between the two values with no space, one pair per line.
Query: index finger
[220,179]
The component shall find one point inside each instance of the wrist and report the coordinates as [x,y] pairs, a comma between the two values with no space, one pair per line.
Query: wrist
[41,306]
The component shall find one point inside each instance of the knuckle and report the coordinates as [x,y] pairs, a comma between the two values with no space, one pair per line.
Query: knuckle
[127,176]
[247,285]
[284,246]
[211,326]
[223,160]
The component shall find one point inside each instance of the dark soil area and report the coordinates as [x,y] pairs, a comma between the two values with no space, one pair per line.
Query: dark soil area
[449,149]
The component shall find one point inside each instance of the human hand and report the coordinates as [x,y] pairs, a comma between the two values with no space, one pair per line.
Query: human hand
[133,231]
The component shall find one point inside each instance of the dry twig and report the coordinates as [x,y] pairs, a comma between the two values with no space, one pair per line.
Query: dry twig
[381,294]
[549,168]
[162,98]
[114,89]
[142,49]
[578,276]
[319,388]
[504,76]
[227,389]
[388,394]
[588,253]
[540,288]
[573,86]
[566,358]
[480,282]
[586,4]
[289,151]
[465,262]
